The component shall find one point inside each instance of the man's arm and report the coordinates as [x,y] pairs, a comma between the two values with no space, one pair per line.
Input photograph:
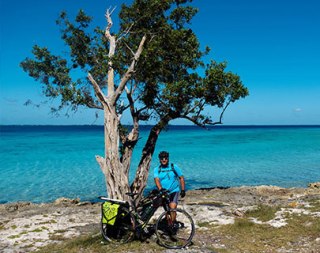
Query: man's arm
[158,184]
[182,183]
[182,192]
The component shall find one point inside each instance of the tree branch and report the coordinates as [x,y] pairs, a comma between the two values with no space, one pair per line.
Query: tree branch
[129,72]
[112,48]
[165,105]
[109,21]
[132,138]
[131,101]
[200,105]
[194,121]
[102,98]
[221,116]
[129,48]
[93,105]
[125,33]
[207,121]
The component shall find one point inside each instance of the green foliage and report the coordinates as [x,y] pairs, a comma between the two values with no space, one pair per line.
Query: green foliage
[166,79]
[168,72]
[171,53]
[221,86]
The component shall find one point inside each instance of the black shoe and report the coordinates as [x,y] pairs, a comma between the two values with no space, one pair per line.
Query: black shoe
[178,224]
[172,230]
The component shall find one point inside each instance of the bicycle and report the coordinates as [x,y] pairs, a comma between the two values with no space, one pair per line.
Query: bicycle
[121,221]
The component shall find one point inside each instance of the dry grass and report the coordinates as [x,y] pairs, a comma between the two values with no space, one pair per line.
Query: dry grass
[301,234]
[263,212]
[95,244]
[315,206]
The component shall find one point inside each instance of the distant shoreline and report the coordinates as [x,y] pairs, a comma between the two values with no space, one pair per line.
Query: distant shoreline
[173,125]
[96,200]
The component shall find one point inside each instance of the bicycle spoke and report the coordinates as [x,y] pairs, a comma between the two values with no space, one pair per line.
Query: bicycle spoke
[177,235]
[122,231]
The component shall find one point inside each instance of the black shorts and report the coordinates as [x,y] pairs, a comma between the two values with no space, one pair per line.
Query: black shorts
[174,197]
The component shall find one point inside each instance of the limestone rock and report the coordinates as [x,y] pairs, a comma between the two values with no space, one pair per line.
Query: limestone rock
[238,213]
[16,206]
[315,185]
[66,201]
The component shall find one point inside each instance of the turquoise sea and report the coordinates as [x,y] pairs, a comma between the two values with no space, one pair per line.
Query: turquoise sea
[43,163]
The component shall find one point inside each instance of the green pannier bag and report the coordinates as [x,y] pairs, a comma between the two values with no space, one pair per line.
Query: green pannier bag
[109,212]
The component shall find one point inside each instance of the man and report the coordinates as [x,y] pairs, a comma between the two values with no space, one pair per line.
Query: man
[169,177]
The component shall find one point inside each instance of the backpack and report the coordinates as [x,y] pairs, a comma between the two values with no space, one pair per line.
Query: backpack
[172,169]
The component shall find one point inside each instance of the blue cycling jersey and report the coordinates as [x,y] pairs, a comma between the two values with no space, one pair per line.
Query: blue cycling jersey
[169,178]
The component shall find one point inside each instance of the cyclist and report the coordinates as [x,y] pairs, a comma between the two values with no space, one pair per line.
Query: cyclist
[169,177]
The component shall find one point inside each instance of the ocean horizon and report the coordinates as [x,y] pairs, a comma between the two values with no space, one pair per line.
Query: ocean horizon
[41,163]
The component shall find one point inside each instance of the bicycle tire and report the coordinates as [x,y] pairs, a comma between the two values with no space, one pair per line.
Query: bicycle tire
[122,231]
[172,236]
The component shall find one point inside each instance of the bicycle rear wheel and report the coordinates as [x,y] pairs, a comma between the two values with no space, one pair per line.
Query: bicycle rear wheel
[122,231]
[175,235]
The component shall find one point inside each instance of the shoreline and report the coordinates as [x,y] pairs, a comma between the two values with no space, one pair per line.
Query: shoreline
[26,226]
[96,200]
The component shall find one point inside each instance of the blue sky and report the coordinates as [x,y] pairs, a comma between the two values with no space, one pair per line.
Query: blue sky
[272,44]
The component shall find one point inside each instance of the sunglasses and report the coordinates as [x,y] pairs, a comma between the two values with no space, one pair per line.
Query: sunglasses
[164,158]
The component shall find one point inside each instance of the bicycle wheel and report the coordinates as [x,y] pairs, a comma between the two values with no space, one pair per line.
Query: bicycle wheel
[123,229]
[175,235]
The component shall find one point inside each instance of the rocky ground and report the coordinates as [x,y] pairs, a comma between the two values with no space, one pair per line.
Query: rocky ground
[25,227]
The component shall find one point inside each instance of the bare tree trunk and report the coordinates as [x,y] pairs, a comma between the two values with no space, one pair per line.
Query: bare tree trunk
[116,175]
[129,144]
[114,167]
[142,173]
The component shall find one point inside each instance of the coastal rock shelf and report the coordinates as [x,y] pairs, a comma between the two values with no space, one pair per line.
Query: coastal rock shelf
[26,226]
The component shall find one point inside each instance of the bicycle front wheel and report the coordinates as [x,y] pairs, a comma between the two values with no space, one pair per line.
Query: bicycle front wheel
[122,231]
[175,234]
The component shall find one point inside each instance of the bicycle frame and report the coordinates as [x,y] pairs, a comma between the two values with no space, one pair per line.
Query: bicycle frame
[139,221]
[136,218]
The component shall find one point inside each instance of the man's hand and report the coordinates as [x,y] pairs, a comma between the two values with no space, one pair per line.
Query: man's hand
[162,191]
[183,193]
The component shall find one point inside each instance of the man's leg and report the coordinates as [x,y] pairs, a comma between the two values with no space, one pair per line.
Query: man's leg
[173,215]
[173,205]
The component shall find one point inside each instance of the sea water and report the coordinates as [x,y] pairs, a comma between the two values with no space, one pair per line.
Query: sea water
[43,163]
